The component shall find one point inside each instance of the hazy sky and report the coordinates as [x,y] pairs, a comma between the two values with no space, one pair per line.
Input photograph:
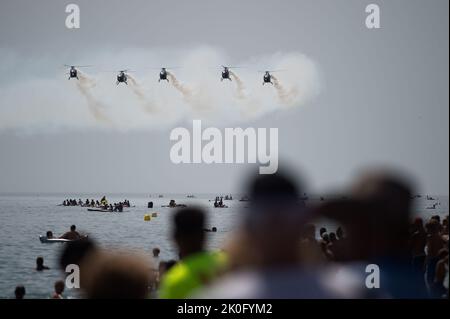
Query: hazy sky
[383,97]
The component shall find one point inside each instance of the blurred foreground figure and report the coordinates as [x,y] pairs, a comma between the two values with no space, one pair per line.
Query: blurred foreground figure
[196,267]
[108,274]
[81,253]
[376,220]
[271,230]
[119,275]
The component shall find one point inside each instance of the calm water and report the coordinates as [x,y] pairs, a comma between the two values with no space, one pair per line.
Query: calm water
[24,218]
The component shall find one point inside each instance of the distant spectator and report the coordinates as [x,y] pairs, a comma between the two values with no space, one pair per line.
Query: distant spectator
[59,289]
[40,264]
[19,292]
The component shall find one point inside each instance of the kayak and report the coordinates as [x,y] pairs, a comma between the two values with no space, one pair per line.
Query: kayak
[98,210]
[179,205]
[45,240]
[105,210]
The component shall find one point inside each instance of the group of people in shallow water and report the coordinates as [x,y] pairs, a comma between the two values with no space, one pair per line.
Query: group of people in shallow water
[218,202]
[173,204]
[101,204]
[278,252]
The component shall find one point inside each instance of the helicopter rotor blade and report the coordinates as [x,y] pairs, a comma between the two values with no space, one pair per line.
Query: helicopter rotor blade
[232,67]
[125,70]
[271,71]
[78,66]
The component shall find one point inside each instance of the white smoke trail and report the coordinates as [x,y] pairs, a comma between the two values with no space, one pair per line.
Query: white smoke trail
[199,99]
[239,85]
[97,109]
[138,90]
[201,95]
[187,93]
[286,96]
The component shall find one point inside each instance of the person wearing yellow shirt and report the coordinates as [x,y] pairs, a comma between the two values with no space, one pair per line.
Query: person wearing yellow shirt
[196,267]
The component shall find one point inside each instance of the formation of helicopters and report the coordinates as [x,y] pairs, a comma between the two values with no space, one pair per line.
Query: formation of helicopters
[163,74]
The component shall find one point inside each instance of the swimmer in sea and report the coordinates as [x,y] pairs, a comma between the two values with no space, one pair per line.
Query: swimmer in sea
[40,264]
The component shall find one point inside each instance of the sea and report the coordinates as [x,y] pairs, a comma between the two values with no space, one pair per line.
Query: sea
[23,217]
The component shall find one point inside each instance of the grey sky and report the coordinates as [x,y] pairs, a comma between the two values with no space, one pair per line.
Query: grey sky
[384,98]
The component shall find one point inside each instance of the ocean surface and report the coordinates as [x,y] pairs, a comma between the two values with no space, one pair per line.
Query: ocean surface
[24,217]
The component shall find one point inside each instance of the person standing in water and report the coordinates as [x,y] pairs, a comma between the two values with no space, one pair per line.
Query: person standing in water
[59,289]
[72,234]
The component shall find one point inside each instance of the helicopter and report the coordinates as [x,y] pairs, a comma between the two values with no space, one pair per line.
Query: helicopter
[122,77]
[73,72]
[163,75]
[226,72]
[267,78]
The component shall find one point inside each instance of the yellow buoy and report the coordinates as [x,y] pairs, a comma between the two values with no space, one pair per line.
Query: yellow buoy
[147,217]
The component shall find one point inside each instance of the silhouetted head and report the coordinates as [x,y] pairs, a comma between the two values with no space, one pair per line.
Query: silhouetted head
[188,225]
[322,231]
[389,195]
[75,251]
[156,252]
[376,217]
[437,217]
[273,196]
[19,292]
[118,275]
[59,287]
[49,234]
[73,228]
[274,219]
